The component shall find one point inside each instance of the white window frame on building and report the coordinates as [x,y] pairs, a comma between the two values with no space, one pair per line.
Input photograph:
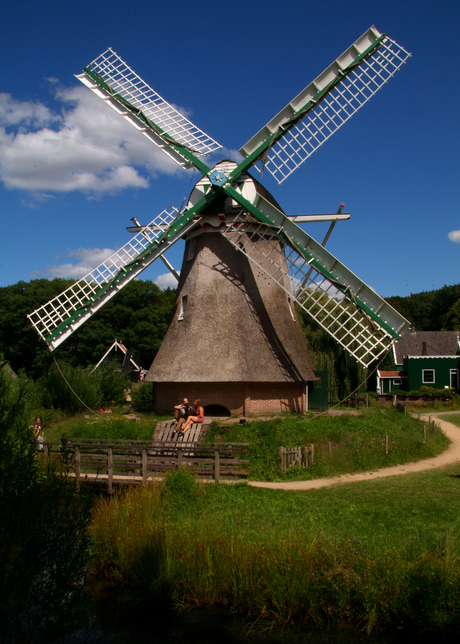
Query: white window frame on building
[454,378]
[428,382]
[397,381]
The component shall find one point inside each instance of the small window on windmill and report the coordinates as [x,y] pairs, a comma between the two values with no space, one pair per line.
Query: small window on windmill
[191,249]
[291,309]
[182,307]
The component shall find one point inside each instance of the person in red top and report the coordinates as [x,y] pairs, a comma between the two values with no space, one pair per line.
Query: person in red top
[198,418]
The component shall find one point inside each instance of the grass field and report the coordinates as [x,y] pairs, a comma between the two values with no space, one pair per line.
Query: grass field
[378,555]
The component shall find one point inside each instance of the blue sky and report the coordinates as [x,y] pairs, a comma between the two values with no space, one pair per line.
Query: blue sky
[73,173]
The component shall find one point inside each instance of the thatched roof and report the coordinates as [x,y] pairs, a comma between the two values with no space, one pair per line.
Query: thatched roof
[237,326]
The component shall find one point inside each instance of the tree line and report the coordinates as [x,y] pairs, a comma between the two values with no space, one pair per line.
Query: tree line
[140,314]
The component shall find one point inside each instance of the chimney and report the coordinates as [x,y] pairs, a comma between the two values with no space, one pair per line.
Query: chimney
[424,352]
[412,328]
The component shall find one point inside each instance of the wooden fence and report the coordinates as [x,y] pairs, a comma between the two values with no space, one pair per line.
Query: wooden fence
[300,456]
[123,462]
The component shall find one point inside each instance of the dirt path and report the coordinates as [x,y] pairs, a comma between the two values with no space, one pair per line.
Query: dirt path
[449,456]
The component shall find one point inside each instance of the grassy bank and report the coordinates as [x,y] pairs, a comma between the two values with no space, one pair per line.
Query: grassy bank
[378,555]
[343,444]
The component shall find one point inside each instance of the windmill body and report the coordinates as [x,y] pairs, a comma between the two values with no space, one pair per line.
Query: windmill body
[234,339]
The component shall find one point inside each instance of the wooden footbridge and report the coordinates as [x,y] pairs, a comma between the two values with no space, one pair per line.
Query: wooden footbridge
[113,463]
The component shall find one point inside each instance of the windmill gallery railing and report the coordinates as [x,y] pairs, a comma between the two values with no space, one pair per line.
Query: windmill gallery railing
[125,462]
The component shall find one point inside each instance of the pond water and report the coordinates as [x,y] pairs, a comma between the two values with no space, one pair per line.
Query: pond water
[207,627]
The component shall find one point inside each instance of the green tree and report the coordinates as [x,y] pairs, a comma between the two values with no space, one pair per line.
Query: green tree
[139,316]
[43,535]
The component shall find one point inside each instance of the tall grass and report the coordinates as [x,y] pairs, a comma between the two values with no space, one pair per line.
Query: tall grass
[184,545]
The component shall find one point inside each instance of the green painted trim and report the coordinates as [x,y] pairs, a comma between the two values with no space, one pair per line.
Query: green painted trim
[297,116]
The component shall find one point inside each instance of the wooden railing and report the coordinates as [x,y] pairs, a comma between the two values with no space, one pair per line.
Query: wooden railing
[124,461]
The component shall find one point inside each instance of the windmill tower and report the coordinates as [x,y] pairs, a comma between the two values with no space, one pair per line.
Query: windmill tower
[234,339]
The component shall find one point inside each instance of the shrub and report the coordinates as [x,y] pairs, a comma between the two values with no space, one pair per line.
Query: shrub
[43,535]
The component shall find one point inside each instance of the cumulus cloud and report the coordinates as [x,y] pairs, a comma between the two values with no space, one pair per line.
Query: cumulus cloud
[167,280]
[87,260]
[454,236]
[85,147]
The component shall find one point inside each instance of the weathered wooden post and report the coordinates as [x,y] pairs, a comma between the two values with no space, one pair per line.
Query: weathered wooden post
[367,400]
[312,454]
[144,465]
[46,453]
[179,457]
[330,449]
[216,465]
[386,444]
[77,462]
[110,469]
[424,432]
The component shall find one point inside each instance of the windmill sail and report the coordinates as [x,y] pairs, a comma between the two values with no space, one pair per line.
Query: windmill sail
[61,316]
[111,79]
[315,114]
[349,310]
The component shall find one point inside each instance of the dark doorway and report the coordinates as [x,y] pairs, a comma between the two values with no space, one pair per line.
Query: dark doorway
[216,410]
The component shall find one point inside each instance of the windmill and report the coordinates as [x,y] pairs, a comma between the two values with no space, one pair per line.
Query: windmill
[234,339]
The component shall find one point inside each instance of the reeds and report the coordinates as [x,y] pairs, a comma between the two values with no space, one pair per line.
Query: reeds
[157,545]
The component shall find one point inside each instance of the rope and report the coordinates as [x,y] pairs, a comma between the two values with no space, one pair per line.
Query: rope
[74,392]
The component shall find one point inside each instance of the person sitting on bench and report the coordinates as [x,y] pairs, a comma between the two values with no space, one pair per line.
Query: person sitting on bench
[198,418]
[181,413]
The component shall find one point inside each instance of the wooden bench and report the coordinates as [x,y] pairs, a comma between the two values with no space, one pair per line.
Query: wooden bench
[164,432]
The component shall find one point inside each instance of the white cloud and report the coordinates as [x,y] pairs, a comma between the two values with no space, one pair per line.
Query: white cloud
[87,147]
[26,114]
[88,259]
[454,236]
[167,280]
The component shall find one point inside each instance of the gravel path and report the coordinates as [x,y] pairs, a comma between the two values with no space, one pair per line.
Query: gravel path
[449,456]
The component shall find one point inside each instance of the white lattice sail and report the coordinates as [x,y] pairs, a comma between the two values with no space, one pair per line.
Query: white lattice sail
[349,310]
[327,103]
[123,82]
[58,318]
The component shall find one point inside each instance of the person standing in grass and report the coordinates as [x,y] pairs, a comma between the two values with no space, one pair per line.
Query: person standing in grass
[198,418]
[38,433]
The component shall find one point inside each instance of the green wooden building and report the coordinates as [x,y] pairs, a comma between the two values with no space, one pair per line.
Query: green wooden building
[423,358]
